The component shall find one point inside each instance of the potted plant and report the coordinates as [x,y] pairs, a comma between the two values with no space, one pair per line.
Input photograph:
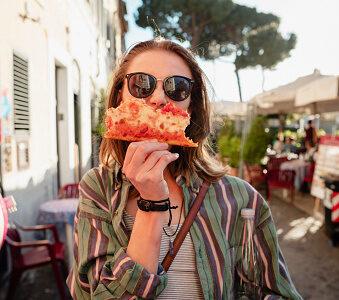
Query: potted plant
[256,144]
[229,147]
[98,125]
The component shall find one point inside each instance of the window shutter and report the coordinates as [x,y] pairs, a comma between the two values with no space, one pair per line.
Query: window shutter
[21,94]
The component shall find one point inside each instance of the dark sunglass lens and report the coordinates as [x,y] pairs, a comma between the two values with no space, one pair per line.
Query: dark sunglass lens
[177,88]
[141,85]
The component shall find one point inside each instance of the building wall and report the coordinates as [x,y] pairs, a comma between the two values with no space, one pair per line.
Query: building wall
[64,42]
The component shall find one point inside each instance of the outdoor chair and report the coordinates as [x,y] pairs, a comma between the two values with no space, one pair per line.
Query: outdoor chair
[42,252]
[281,179]
[275,162]
[68,191]
[307,181]
[256,175]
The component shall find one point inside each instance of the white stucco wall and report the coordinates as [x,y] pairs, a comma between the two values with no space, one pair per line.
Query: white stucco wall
[66,34]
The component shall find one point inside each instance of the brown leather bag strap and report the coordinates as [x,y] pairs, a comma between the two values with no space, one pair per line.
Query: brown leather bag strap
[185,226]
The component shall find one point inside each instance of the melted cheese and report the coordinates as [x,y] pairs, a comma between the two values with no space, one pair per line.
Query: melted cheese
[165,122]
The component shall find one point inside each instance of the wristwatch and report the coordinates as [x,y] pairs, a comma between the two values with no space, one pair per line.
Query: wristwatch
[150,205]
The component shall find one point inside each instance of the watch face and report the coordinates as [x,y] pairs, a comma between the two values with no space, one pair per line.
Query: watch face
[144,205]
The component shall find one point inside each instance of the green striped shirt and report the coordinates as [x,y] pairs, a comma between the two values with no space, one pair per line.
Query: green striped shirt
[103,270]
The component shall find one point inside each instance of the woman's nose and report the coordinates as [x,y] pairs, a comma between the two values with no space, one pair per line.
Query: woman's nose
[158,97]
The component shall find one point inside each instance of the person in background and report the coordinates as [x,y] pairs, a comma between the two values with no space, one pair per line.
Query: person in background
[311,150]
[119,247]
[311,134]
[289,147]
[278,145]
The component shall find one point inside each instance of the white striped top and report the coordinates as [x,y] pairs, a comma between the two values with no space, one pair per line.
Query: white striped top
[183,279]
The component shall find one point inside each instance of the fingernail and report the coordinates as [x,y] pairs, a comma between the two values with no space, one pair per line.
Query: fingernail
[176,155]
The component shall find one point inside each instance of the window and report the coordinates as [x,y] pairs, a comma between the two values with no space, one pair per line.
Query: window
[20,94]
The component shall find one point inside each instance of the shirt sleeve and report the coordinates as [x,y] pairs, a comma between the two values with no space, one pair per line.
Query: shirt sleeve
[102,269]
[277,280]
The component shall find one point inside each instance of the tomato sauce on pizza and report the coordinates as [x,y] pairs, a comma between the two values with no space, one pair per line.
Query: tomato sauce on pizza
[134,120]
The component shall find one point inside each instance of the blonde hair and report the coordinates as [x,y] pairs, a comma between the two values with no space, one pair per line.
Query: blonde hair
[200,160]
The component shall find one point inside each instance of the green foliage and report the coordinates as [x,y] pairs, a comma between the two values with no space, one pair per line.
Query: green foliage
[183,20]
[219,28]
[229,144]
[234,151]
[256,142]
[231,33]
[100,127]
[252,36]
[227,129]
[265,47]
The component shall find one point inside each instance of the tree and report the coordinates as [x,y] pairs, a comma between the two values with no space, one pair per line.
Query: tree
[188,20]
[220,28]
[265,47]
[253,38]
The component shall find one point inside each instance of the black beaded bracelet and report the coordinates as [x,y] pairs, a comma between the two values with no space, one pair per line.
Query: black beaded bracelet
[161,205]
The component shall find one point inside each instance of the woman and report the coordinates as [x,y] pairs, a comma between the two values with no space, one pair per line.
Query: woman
[118,246]
[311,152]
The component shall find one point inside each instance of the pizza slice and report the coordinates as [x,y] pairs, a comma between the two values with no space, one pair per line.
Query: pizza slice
[134,120]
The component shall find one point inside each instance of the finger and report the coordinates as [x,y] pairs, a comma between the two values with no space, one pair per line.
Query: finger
[143,151]
[152,159]
[132,147]
[163,162]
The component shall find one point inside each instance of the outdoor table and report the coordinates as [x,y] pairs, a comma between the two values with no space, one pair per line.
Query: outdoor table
[60,211]
[301,169]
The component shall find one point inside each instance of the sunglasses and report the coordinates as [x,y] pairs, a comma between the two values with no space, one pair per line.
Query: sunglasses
[142,85]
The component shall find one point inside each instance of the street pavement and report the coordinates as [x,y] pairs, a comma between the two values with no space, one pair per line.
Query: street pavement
[313,263]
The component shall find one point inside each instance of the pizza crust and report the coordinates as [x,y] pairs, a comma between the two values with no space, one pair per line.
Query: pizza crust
[134,120]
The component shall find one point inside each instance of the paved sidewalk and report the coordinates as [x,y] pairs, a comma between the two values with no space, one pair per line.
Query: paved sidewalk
[38,284]
[313,263]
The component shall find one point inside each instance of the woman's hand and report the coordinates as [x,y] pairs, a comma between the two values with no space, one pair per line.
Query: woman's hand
[144,166]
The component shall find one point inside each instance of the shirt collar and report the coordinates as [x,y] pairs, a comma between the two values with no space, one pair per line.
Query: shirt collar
[118,177]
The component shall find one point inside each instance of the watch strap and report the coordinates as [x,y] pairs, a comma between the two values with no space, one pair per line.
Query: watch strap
[149,205]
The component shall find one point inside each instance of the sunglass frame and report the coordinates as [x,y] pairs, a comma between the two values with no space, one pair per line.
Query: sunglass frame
[189,80]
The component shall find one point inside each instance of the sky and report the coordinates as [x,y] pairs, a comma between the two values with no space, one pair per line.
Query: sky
[316,24]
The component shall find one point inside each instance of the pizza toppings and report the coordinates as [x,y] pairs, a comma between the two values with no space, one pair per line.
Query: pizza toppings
[134,120]
[174,110]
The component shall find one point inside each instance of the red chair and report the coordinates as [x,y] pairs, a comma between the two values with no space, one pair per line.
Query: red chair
[281,179]
[43,252]
[309,178]
[256,175]
[275,162]
[69,191]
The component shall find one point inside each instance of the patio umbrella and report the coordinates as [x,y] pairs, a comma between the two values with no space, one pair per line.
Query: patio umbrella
[321,94]
[282,98]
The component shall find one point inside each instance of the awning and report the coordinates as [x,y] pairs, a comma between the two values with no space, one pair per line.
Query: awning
[282,99]
[321,94]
